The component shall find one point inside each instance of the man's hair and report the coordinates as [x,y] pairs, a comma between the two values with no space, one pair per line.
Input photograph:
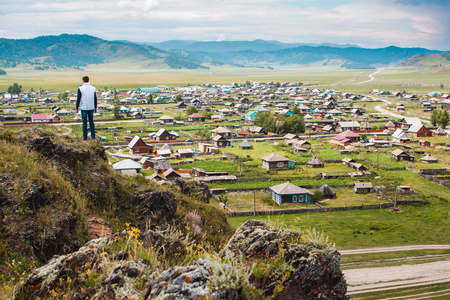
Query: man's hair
[85,78]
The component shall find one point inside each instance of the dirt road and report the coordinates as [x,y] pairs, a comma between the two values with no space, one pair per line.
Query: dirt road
[396,277]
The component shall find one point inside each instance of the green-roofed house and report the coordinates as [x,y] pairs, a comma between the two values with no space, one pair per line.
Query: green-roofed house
[149,90]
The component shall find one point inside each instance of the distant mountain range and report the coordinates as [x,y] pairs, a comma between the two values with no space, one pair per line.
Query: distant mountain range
[76,51]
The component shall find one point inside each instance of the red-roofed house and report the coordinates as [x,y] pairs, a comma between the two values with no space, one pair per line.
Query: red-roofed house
[41,118]
[196,117]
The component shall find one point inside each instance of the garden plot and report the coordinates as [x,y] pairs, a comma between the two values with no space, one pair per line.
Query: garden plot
[346,197]
[244,201]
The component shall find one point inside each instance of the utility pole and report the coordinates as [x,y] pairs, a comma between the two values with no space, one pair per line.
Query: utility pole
[396,194]
[254,202]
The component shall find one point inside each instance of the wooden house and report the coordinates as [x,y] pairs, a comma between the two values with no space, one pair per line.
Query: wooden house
[288,193]
[275,161]
[399,136]
[171,174]
[429,159]
[127,166]
[363,187]
[418,130]
[400,155]
[163,135]
[222,131]
[138,146]
[220,141]
[196,117]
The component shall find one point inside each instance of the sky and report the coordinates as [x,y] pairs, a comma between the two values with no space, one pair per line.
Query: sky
[366,23]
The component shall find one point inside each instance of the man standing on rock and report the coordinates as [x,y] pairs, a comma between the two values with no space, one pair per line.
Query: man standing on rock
[87,102]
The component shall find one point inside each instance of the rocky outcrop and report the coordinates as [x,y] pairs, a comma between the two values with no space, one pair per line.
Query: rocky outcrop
[195,189]
[159,206]
[259,261]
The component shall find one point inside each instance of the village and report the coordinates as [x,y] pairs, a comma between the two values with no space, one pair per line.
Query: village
[264,148]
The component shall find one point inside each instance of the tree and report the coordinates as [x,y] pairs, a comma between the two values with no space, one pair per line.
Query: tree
[149,99]
[441,86]
[296,110]
[191,110]
[116,113]
[15,88]
[178,97]
[63,96]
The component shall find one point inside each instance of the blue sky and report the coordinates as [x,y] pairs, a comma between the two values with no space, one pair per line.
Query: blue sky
[367,23]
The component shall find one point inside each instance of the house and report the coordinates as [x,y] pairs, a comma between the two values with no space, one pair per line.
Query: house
[63,112]
[171,174]
[220,141]
[222,131]
[166,119]
[275,161]
[327,191]
[418,130]
[245,145]
[288,193]
[357,167]
[181,105]
[196,117]
[405,123]
[347,125]
[366,126]
[207,148]
[250,116]
[301,146]
[138,146]
[161,166]
[315,163]
[399,136]
[429,159]
[390,126]
[155,177]
[400,155]
[255,129]
[291,136]
[440,131]
[243,133]
[41,118]
[347,160]
[364,187]
[127,167]
[146,162]
[346,137]
[163,135]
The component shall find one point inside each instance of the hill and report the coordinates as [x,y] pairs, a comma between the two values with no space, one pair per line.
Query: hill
[164,241]
[348,57]
[76,51]
[80,50]
[428,60]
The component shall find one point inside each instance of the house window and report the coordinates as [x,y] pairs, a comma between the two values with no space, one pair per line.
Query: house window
[294,199]
[136,150]
[167,137]
[280,165]
[300,199]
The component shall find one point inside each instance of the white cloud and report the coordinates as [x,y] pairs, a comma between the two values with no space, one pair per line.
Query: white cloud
[373,23]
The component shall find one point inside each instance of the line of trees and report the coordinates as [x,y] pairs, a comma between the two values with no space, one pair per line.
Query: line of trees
[281,123]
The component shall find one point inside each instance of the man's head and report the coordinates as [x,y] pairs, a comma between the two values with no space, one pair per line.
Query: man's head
[85,78]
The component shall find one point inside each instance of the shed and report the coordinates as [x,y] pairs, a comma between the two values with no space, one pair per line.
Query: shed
[429,159]
[315,163]
[327,191]
[363,187]
[246,145]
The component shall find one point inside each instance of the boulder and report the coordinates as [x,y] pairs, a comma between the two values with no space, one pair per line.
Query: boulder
[311,269]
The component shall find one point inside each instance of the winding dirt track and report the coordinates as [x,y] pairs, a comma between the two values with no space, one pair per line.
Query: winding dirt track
[367,280]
